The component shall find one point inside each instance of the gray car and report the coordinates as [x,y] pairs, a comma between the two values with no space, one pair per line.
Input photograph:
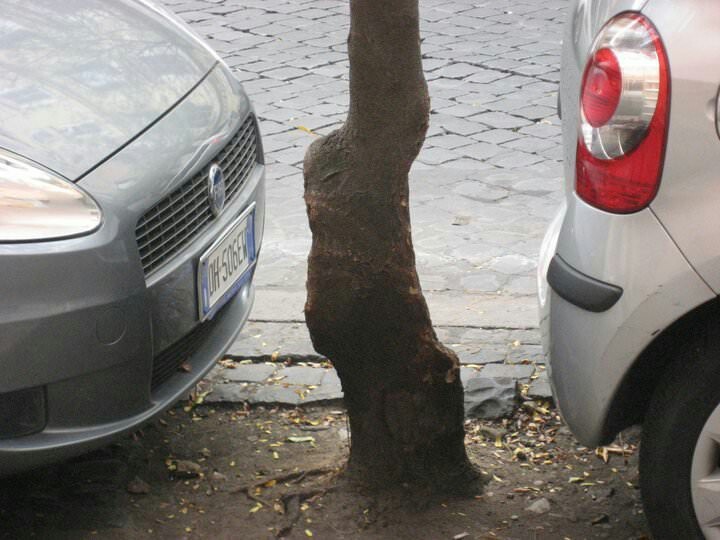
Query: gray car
[131,217]
[630,268]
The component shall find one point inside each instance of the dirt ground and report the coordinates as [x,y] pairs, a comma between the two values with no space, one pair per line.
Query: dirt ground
[228,472]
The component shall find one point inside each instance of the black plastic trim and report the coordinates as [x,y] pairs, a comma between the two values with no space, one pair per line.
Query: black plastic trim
[583,291]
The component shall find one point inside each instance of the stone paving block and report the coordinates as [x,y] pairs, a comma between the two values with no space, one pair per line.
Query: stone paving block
[462,110]
[484,76]
[479,150]
[457,126]
[521,285]
[544,130]
[272,394]
[521,372]
[251,373]
[540,387]
[330,388]
[490,399]
[449,142]
[436,156]
[529,144]
[530,353]
[300,375]
[535,112]
[484,356]
[290,156]
[496,136]
[500,120]
[534,69]
[231,393]
[515,159]
[467,373]
[525,337]
[513,264]
[467,164]
[265,339]
[480,191]
[482,281]
[556,153]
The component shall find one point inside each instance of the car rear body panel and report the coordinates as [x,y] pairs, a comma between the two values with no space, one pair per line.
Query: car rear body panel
[589,353]
[689,197]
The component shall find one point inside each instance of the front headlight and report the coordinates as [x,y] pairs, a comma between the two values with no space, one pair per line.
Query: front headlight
[36,205]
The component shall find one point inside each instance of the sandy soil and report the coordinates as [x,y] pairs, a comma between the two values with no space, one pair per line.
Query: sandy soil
[228,472]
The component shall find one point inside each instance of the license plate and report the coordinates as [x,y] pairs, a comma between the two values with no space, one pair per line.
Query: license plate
[225,267]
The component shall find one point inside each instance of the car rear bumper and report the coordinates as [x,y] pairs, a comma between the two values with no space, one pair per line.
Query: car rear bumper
[98,337]
[590,351]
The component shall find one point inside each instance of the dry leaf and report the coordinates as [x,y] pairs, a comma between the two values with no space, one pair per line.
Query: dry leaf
[301,439]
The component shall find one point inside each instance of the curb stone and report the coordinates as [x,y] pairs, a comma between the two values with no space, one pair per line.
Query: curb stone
[491,391]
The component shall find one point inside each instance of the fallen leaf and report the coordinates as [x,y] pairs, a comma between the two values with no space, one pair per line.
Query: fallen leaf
[255,508]
[309,132]
[301,439]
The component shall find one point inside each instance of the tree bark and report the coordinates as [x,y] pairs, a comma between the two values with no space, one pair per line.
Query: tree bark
[365,309]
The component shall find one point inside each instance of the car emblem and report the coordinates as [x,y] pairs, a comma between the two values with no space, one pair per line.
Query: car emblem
[216,189]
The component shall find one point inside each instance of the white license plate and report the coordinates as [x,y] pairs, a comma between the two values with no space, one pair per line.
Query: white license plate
[225,267]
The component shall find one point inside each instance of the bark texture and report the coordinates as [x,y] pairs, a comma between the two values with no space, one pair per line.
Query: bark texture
[365,309]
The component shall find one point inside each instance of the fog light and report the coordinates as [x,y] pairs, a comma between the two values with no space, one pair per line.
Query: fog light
[22,412]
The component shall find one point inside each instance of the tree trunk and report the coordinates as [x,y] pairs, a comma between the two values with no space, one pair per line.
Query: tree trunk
[365,309]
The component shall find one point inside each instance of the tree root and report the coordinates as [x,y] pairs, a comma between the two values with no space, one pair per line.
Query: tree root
[294,477]
[257,499]
[291,503]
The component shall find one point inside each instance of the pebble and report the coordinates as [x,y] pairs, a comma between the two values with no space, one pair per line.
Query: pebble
[217,478]
[187,469]
[137,486]
[541,506]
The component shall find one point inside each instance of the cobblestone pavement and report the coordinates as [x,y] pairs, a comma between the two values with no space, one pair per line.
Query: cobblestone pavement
[483,189]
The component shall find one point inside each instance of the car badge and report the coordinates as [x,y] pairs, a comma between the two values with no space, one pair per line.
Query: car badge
[216,189]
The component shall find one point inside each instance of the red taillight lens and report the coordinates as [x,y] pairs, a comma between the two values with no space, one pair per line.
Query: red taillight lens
[624,115]
[602,86]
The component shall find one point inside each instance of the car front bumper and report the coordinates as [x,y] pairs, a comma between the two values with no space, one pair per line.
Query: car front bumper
[86,327]
[590,348]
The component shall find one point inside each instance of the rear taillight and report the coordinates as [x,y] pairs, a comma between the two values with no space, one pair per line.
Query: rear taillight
[624,105]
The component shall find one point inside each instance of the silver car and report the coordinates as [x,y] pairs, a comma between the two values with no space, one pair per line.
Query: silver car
[630,268]
[131,216]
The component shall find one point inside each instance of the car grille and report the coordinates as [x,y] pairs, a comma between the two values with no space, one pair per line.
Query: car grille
[172,360]
[176,220]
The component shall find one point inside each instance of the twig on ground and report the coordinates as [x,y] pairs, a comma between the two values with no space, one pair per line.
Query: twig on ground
[295,477]
[257,499]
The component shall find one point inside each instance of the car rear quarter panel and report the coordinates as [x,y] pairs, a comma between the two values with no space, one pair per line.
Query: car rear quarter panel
[689,197]
[591,353]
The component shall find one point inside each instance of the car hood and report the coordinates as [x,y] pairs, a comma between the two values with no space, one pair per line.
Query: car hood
[80,78]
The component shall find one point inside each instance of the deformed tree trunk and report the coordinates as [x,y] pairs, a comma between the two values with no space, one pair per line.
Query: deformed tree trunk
[365,309]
